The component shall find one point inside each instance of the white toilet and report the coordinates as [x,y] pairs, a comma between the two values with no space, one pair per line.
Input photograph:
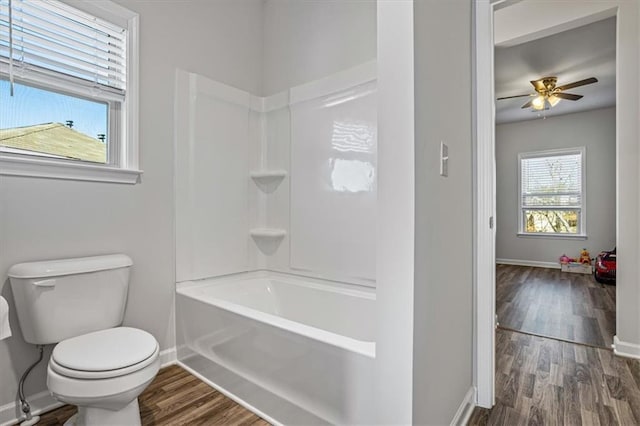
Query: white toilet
[79,304]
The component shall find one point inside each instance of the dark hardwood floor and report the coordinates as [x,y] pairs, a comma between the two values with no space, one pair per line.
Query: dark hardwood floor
[176,397]
[541,381]
[556,304]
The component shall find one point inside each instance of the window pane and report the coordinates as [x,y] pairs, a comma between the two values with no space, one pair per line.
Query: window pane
[554,180]
[551,221]
[40,122]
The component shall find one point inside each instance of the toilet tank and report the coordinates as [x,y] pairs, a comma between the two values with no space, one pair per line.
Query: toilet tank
[59,299]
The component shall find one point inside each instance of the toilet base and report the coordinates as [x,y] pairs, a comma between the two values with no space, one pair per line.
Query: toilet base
[91,416]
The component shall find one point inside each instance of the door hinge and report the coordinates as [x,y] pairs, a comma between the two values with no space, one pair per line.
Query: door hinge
[491,222]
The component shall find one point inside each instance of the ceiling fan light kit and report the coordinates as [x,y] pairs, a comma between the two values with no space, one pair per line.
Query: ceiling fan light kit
[541,102]
[549,95]
[553,100]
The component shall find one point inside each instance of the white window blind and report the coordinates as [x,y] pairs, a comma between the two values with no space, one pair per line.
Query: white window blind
[48,39]
[552,181]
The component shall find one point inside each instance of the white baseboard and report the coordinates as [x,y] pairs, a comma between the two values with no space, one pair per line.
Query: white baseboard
[41,402]
[465,409]
[168,357]
[625,349]
[533,263]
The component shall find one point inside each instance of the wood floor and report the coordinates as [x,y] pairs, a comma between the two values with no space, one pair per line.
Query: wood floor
[541,381]
[556,304]
[176,397]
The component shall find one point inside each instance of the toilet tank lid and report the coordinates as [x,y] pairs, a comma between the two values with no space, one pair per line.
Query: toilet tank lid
[60,267]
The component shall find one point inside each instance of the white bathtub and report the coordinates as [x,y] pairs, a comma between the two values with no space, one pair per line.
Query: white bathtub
[298,351]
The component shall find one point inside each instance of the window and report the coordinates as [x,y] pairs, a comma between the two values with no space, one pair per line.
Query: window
[551,192]
[68,90]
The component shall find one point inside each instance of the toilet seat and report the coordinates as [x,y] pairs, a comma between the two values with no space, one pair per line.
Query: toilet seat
[104,354]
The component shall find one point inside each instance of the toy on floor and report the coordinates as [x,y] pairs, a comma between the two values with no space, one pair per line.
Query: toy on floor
[565,259]
[584,257]
[606,265]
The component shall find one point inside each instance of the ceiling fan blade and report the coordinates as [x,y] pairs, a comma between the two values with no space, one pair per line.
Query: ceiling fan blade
[538,84]
[567,96]
[527,105]
[515,96]
[584,82]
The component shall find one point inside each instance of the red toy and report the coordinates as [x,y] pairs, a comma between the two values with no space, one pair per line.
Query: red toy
[605,270]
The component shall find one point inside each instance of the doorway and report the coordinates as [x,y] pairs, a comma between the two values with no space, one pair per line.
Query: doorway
[528,24]
[555,143]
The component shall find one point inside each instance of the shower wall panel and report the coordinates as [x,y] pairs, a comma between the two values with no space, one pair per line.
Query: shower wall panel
[212,169]
[333,181]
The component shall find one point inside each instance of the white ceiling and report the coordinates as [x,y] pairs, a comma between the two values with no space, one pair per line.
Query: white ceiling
[583,52]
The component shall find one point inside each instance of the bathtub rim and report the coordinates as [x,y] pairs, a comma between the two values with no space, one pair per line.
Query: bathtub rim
[359,290]
[361,347]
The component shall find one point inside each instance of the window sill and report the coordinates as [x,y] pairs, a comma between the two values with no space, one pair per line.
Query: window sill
[554,236]
[55,169]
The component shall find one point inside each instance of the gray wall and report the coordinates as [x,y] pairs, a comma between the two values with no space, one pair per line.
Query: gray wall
[443,294]
[46,219]
[308,40]
[595,130]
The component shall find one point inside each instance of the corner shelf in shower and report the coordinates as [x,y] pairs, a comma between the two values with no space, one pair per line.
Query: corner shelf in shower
[268,180]
[268,239]
[273,233]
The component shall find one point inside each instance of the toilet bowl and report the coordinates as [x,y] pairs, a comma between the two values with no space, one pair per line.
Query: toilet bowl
[103,373]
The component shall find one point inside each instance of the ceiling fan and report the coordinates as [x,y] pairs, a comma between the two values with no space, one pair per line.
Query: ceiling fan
[547,93]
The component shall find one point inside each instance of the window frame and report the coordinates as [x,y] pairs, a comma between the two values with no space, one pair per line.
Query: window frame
[582,221]
[123,149]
